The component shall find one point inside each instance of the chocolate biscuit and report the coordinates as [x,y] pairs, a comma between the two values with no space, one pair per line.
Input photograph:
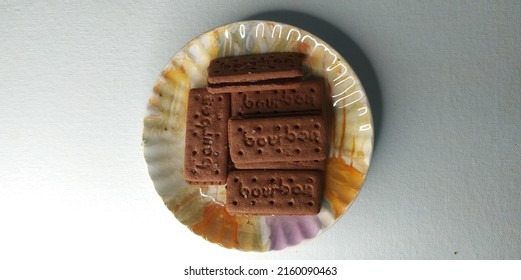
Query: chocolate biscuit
[255,72]
[284,165]
[275,139]
[274,192]
[206,152]
[306,97]
[264,85]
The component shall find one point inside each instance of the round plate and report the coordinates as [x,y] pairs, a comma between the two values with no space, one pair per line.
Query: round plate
[201,208]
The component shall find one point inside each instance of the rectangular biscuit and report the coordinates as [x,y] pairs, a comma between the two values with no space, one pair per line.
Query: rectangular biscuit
[255,72]
[274,192]
[275,139]
[206,143]
[308,96]
[262,85]
[284,165]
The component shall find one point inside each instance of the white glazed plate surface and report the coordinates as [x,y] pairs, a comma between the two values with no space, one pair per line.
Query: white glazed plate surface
[201,208]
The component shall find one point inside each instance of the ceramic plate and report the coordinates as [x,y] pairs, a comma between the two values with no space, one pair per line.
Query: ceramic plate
[201,208]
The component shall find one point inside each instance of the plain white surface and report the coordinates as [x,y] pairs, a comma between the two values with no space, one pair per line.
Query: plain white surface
[75,79]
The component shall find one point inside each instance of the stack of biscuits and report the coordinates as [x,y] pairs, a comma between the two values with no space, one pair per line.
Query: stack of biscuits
[258,127]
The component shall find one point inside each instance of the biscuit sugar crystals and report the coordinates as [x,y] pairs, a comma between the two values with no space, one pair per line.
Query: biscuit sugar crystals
[271,151]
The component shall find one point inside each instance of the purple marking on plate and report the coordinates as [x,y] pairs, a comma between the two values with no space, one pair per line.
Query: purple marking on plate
[291,230]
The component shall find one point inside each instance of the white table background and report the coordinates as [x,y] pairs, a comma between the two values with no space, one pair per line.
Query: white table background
[444,80]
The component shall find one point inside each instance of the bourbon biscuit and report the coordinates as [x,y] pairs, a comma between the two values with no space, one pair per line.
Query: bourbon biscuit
[308,96]
[206,152]
[284,165]
[254,86]
[274,192]
[275,139]
[256,72]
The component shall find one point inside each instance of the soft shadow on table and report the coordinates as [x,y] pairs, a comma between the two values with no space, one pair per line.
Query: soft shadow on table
[342,44]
